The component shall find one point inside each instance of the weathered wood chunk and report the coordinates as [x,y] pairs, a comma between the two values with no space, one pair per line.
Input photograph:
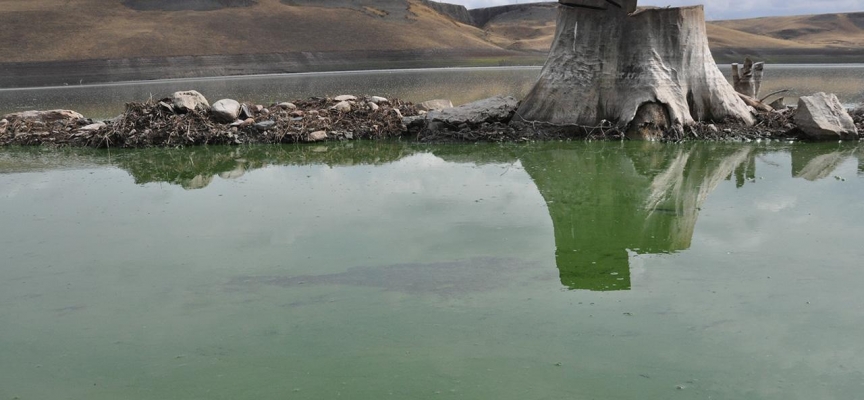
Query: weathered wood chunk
[748,80]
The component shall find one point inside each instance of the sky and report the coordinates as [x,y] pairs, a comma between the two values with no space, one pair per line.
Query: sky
[724,9]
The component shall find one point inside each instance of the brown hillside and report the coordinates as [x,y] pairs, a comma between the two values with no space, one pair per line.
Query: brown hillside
[839,37]
[828,30]
[531,27]
[52,30]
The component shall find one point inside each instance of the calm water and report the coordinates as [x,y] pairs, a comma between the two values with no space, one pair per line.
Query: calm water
[386,270]
[461,85]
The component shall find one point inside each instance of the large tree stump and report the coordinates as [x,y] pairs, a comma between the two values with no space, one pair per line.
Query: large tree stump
[611,62]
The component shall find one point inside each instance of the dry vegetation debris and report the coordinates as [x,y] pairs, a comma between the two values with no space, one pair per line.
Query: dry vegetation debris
[155,124]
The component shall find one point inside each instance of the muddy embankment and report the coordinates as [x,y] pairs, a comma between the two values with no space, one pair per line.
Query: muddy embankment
[60,73]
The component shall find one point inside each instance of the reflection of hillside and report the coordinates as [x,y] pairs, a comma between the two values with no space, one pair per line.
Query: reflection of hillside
[195,168]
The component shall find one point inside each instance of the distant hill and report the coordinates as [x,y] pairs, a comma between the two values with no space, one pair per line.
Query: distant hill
[56,41]
[811,38]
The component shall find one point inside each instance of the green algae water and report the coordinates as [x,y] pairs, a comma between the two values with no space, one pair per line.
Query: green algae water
[388,270]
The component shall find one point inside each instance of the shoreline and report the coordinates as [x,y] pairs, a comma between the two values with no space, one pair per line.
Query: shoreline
[21,75]
[56,74]
[190,121]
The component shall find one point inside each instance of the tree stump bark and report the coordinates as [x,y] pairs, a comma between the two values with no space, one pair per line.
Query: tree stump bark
[609,61]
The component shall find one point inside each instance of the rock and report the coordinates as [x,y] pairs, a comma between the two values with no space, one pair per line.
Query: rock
[373,106]
[244,112]
[397,112]
[494,109]
[432,105]
[265,112]
[44,116]
[167,106]
[822,117]
[342,106]
[188,100]
[265,125]
[297,113]
[247,122]
[345,97]
[288,106]
[92,127]
[713,128]
[3,124]
[225,110]
[378,99]
[778,104]
[317,136]
[257,108]
[414,120]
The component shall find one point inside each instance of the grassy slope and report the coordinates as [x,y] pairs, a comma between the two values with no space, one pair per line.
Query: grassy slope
[51,30]
[64,30]
[779,38]
[828,30]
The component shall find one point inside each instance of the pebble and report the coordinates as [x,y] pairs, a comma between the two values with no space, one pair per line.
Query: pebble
[342,106]
[373,106]
[265,125]
[378,99]
[317,136]
[288,106]
[345,97]
[297,114]
[247,122]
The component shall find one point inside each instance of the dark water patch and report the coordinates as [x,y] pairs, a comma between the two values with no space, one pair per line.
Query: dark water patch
[186,5]
[68,310]
[451,278]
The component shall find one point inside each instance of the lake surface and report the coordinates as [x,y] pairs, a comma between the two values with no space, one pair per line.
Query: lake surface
[461,85]
[387,270]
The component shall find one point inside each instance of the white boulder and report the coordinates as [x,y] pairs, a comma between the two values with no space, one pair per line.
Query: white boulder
[188,100]
[822,117]
[226,110]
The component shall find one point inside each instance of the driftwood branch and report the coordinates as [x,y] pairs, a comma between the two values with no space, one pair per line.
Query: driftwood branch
[774,93]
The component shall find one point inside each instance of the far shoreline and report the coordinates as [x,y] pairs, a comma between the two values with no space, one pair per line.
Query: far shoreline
[54,74]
